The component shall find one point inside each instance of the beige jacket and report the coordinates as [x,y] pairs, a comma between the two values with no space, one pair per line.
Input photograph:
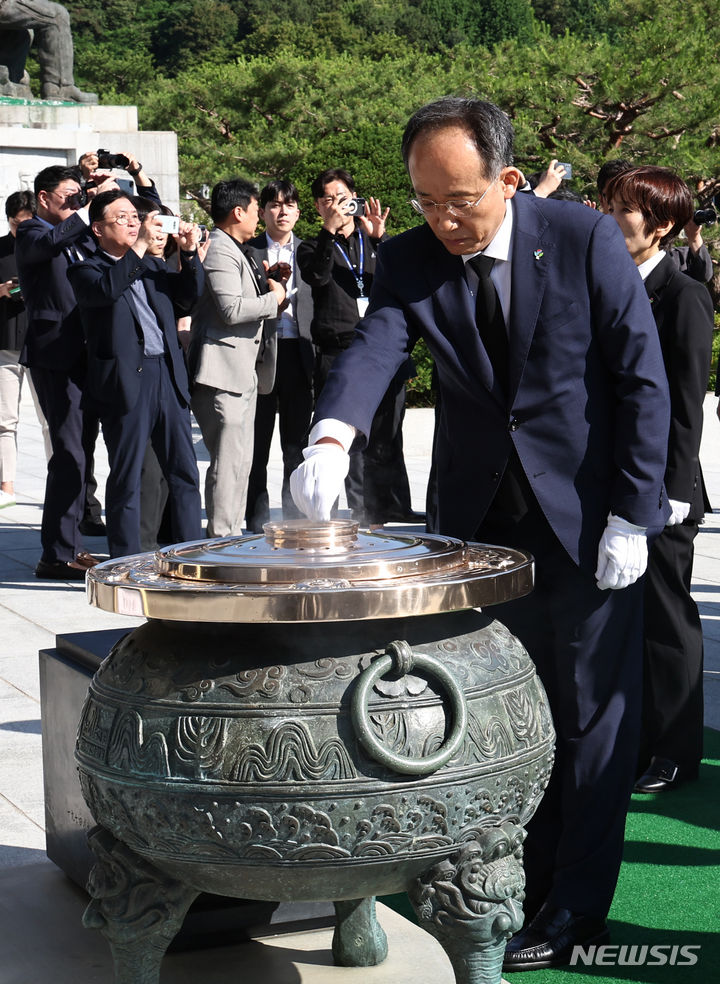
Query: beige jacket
[229,321]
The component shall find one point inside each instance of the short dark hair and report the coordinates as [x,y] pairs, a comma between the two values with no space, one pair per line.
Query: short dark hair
[488,126]
[227,195]
[50,177]
[100,202]
[19,201]
[317,188]
[284,190]
[659,194]
[610,170]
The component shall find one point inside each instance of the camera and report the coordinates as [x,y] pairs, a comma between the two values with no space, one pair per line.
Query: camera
[108,160]
[568,170]
[355,206]
[203,233]
[169,224]
[709,214]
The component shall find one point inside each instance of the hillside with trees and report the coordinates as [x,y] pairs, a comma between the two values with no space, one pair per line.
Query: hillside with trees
[269,89]
[285,89]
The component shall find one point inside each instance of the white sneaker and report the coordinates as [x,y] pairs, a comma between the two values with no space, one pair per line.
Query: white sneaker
[6,499]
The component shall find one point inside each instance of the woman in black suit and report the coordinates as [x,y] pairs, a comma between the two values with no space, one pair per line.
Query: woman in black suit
[651,206]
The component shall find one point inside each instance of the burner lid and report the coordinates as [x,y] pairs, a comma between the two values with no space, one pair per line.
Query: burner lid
[301,570]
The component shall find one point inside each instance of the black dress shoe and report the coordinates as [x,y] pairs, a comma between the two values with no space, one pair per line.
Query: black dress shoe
[62,570]
[663,774]
[549,939]
[91,527]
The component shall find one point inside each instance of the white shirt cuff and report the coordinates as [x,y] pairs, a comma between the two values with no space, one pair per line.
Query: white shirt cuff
[337,429]
[84,214]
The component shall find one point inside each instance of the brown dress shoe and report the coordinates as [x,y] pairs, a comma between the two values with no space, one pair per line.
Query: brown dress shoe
[86,560]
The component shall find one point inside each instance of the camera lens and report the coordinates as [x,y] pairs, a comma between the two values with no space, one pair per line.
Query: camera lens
[705,216]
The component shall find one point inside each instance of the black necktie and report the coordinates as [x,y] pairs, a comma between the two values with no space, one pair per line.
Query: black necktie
[489,317]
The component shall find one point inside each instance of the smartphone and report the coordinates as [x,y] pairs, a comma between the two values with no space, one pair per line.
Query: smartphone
[568,170]
[169,224]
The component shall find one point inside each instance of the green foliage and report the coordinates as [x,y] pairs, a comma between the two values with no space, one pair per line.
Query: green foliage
[268,89]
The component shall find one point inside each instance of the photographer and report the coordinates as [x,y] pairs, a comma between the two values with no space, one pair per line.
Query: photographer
[57,237]
[95,166]
[339,265]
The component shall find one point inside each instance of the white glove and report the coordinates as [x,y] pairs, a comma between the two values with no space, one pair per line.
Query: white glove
[680,512]
[622,554]
[318,481]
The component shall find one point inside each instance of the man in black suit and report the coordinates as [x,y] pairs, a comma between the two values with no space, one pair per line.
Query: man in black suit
[552,437]
[339,265]
[136,378]
[291,397]
[57,236]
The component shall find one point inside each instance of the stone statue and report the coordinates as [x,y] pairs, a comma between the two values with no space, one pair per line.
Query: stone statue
[49,24]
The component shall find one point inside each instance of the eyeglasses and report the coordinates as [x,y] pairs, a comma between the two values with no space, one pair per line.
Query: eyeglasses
[124,218]
[458,209]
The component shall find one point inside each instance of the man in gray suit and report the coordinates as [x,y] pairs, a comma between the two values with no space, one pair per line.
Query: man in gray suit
[231,356]
[291,397]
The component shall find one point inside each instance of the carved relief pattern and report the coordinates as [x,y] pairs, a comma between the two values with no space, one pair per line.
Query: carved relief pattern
[199,745]
[94,729]
[290,754]
[265,682]
[326,667]
[228,830]
[489,740]
[470,902]
[128,751]
[524,721]
[131,900]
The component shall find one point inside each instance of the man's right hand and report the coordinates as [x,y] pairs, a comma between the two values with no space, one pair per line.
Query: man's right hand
[318,481]
[101,181]
[278,290]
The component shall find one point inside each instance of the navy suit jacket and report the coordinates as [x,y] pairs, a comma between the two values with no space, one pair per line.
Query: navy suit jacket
[55,337]
[114,336]
[587,409]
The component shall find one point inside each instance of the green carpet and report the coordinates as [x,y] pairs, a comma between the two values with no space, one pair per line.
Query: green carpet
[668,894]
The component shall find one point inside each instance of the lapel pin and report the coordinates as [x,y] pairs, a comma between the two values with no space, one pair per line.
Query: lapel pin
[537,253]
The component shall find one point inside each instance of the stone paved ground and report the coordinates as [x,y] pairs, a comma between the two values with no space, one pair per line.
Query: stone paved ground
[32,612]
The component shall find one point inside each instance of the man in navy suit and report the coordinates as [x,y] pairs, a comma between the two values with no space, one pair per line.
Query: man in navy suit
[136,376]
[54,351]
[552,437]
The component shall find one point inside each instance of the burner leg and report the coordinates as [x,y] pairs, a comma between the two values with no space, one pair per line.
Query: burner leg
[359,940]
[472,902]
[137,908]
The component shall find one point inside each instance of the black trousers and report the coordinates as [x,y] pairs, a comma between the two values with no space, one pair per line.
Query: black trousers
[587,647]
[59,394]
[291,399]
[377,486]
[157,416]
[672,718]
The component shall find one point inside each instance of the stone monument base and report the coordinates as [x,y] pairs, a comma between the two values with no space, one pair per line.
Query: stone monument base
[37,133]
